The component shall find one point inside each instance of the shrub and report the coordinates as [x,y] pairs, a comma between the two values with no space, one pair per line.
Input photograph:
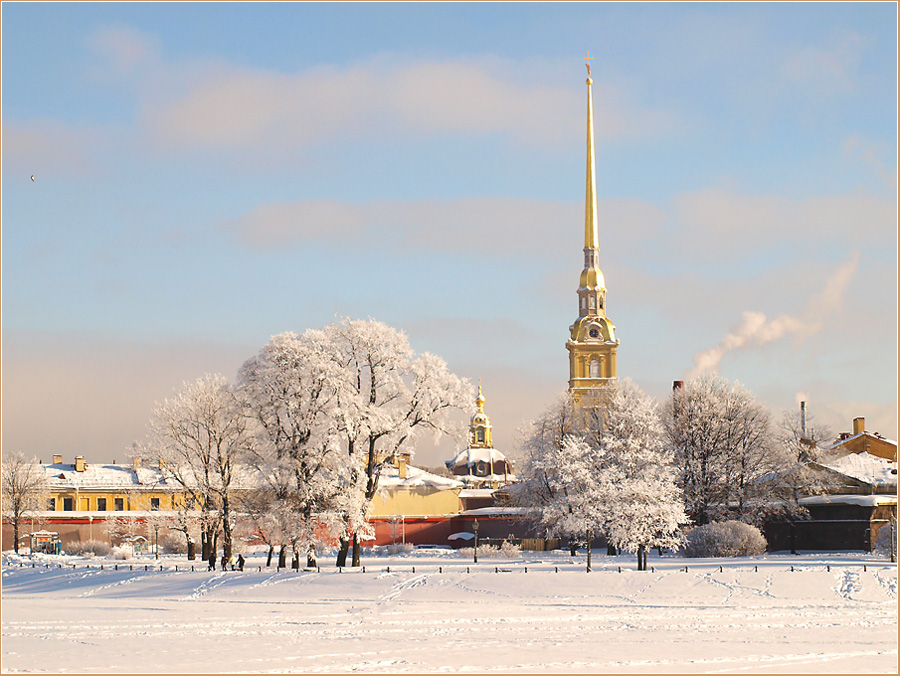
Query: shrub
[506,550]
[88,548]
[731,538]
[122,552]
[173,542]
[401,548]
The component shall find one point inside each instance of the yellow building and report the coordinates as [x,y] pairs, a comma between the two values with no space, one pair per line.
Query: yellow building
[592,343]
[863,441]
[404,490]
[83,487]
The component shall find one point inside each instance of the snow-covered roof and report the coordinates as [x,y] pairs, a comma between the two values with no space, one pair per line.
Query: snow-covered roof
[128,477]
[477,493]
[470,456]
[862,500]
[121,477]
[495,511]
[488,478]
[415,478]
[866,467]
[840,442]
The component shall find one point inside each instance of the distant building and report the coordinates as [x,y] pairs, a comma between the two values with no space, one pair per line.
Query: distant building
[860,471]
[480,465]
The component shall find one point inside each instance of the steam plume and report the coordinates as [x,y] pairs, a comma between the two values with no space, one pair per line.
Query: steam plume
[757,330]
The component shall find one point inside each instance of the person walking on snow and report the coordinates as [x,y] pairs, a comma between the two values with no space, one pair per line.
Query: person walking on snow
[232,561]
[224,562]
[240,562]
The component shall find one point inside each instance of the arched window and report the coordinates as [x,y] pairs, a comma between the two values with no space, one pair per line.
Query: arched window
[593,302]
[595,368]
[479,435]
[583,302]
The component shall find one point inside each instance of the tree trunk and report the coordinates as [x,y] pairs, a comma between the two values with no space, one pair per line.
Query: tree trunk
[610,549]
[356,549]
[342,552]
[589,538]
[310,556]
[646,551]
[226,527]
[640,557]
[204,545]
[16,535]
[269,557]
[282,556]
[295,561]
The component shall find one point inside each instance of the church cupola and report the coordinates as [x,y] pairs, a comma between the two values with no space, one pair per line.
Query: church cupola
[480,425]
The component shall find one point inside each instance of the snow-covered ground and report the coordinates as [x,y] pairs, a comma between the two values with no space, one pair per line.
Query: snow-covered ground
[433,611]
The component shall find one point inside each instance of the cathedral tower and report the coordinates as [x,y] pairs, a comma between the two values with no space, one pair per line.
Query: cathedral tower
[592,343]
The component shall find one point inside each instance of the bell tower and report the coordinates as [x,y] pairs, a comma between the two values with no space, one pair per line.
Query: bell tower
[592,343]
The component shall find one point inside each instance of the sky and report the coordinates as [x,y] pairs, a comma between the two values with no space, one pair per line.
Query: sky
[209,175]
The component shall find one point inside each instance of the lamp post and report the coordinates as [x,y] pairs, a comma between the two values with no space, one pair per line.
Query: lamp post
[91,527]
[156,535]
[475,528]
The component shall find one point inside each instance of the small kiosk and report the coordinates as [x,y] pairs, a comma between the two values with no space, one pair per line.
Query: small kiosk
[45,542]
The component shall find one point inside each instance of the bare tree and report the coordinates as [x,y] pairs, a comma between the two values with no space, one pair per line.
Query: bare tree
[722,439]
[25,487]
[198,437]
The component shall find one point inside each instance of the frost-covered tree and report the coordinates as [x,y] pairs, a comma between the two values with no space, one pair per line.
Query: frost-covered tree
[25,488]
[386,397]
[290,393]
[554,451]
[603,467]
[643,504]
[199,437]
[724,448]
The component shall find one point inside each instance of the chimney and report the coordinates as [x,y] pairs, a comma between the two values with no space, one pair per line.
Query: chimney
[57,459]
[136,463]
[401,468]
[859,426]
[803,420]
[79,463]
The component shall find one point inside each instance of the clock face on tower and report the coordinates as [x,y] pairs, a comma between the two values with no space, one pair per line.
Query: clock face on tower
[594,332]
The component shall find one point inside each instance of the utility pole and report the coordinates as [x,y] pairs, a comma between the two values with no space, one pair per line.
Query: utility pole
[475,528]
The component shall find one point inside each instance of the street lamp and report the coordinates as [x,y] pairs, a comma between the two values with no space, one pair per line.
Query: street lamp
[475,527]
[91,527]
[156,533]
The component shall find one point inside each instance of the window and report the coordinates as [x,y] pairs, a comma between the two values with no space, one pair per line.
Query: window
[595,368]
[583,302]
[51,504]
[120,504]
[68,504]
[480,435]
[593,302]
[154,504]
[101,504]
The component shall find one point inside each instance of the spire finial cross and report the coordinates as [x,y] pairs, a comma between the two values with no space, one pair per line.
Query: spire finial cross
[589,58]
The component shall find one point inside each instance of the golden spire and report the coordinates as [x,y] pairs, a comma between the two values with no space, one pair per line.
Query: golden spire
[479,400]
[591,240]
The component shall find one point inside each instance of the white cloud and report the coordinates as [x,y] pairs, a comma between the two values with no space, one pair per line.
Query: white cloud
[124,49]
[46,148]
[829,67]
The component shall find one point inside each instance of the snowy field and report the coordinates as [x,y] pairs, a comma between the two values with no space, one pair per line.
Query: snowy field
[435,612]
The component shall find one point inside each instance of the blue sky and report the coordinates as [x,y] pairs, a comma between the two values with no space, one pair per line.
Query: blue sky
[208,175]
